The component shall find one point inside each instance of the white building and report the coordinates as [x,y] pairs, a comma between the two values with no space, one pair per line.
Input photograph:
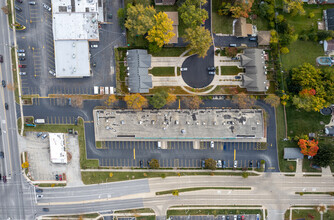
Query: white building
[58,153]
[75,23]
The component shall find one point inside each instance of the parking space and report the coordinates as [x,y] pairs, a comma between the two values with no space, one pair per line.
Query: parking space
[40,166]
[180,153]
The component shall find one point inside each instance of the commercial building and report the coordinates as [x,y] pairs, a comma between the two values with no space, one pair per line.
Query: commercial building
[255,77]
[75,23]
[58,153]
[202,124]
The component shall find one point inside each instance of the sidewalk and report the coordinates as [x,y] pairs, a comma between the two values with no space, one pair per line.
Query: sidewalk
[299,167]
[326,172]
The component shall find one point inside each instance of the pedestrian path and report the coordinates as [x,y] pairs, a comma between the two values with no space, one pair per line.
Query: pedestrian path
[167,61]
[326,171]
[168,81]
[299,167]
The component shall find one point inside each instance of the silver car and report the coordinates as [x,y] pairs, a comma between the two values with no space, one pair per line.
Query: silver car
[23,73]
[21,54]
[235,165]
[46,7]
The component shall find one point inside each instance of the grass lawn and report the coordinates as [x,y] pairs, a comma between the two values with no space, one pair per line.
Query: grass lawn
[143,210]
[16,91]
[162,71]
[214,212]
[104,177]
[170,89]
[230,70]
[306,214]
[262,24]
[285,166]
[165,8]
[220,24]
[307,167]
[52,185]
[137,41]
[329,142]
[301,52]
[170,52]
[201,188]
[84,163]
[151,217]
[181,28]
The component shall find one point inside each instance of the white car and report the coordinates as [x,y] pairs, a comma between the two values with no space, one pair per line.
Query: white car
[235,165]
[94,45]
[219,164]
[23,73]
[46,7]
[52,72]
[39,196]
[184,69]
[21,54]
[212,144]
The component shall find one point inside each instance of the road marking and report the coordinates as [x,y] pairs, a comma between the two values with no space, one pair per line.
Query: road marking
[235,151]
[271,168]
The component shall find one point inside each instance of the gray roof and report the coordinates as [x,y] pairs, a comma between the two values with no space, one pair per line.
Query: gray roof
[254,79]
[329,19]
[138,63]
[329,130]
[292,153]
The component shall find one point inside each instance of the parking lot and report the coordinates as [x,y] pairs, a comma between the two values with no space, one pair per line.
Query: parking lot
[179,153]
[40,167]
[37,41]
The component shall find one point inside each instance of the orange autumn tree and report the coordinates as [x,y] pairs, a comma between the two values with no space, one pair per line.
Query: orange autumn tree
[308,148]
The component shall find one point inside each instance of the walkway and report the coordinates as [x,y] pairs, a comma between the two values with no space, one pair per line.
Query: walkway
[167,61]
[168,81]
[226,80]
[226,61]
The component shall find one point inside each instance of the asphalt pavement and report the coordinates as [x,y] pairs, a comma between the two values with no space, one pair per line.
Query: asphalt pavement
[225,41]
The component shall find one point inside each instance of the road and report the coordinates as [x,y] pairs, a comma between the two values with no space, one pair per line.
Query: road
[16,196]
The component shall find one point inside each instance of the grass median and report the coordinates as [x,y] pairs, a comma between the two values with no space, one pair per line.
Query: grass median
[200,188]
[213,212]
[105,177]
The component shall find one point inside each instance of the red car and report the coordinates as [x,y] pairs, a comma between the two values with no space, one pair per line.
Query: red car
[60,178]
[22,66]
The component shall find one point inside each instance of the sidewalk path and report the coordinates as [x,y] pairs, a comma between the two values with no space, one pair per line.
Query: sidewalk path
[326,171]
[299,167]
[167,61]
[168,81]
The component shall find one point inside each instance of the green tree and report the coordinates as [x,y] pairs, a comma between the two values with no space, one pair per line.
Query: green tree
[175,192]
[154,164]
[158,100]
[272,100]
[284,50]
[191,13]
[199,40]
[294,7]
[121,17]
[210,164]
[324,157]
[162,31]
[245,174]
[238,8]
[139,19]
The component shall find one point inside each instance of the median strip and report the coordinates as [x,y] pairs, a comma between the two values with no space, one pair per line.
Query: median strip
[176,191]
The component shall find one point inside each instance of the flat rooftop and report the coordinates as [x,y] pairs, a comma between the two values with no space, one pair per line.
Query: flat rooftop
[72,59]
[202,124]
[57,148]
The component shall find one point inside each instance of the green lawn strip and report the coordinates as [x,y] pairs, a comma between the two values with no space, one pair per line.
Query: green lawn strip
[9,7]
[170,52]
[84,162]
[16,91]
[285,166]
[220,23]
[307,167]
[104,177]
[177,90]
[150,217]
[201,188]
[91,215]
[214,212]
[305,193]
[303,213]
[162,71]
[199,90]
[137,41]
[230,70]
[52,185]
[143,210]
[302,52]
[181,28]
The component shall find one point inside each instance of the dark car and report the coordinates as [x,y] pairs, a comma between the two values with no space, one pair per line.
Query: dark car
[39,190]
[3,83]
[4,179]
[250,164]
[17,8]
[45,209]
[22,58]
[258,165]
[203,163]
[141,164]
[110,16]
[0,176]
[239,217]
[252,39]
[1,59]
[19,1]
[237,77]
[224,164]
[211,68]
[2,154]
[57,178]
[39,134]
[6,106]
[227,217]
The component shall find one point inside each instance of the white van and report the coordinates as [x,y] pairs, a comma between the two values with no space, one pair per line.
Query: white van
[159,144]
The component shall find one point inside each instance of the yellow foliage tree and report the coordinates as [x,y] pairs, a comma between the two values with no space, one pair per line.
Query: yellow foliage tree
[25,165]
[111,174]
[171,98]
[135,101]
[110,100]
[294,7]
[162,31]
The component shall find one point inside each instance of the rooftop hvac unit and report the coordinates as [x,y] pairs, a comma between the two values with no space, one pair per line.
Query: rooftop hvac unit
[74,70]
[73,45]
[73,56]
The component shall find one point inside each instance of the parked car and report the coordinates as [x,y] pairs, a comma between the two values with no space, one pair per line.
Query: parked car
[203,163]
[44,136]
[110,16]
[211,68]
[184,69]
[235,217]
[233,45]
[21,54]
[19,1]
[94,45]
[2,155]
[4,179]
[6,106]
[235,164]
[45,209]
[212,144]
[212,73]
[57,178]
[22,58]
[32,3]
[250,164]
[39,196]
[39,134]
[3,83]
[257,216]
[46,7]
[237,77]
[60,178]
[258,165]
[52,72]
[75,121]
[224,164]
[21,51]
[1,59]
[22,65]
[17,8]
[39,190]
[219,164]
[239,217]
[227,217]
[22,73]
